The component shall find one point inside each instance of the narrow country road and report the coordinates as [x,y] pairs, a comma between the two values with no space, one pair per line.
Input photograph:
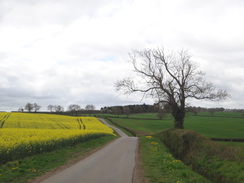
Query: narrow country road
[113,164]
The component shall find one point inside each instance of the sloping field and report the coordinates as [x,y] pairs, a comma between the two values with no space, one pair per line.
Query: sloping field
[25,134]
[48,121]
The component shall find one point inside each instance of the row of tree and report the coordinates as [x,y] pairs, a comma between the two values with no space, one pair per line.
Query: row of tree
[128,109]
[56,108]
[75,109]
[30,107]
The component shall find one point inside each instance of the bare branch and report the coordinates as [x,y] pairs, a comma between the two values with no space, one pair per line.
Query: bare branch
[171,79]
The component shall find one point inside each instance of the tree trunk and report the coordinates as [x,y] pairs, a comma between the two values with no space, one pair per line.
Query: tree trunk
[179,115]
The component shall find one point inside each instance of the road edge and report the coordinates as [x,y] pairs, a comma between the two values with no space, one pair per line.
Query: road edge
[138,173]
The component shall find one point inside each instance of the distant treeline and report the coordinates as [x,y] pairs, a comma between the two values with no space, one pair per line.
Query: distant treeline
[75,109]
[145,108]
[128,109]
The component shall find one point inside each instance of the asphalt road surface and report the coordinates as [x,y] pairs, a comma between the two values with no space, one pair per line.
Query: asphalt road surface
[114,163]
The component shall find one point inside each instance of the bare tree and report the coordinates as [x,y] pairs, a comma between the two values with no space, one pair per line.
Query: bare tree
[29,107]
[161,114]
[36,107]
[212,111]
[90,107]
[74,108]
[50,107]
[161,109]
[171,79]
[58,108]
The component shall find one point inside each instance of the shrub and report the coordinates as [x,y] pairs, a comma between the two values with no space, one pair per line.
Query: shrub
[218,162]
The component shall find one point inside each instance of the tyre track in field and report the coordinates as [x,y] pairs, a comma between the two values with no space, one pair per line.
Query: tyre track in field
[114,163]
[2,121]
[81,124]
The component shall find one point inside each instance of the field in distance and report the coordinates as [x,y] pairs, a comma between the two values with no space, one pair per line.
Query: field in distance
[48,121]
[220,125]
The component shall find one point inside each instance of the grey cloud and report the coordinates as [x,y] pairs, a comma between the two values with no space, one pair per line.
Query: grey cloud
[62,52]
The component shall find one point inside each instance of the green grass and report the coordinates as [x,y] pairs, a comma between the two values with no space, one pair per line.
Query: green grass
[160,166]
[25,169]
[137,115]
[142,126]
[122,129]
[224,114]
[145,115]
[218,127]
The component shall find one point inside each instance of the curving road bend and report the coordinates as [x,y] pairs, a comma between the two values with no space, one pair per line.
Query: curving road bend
[113,164]
[120,132]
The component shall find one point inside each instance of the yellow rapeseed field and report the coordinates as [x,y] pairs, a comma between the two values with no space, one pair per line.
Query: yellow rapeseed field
[25,134]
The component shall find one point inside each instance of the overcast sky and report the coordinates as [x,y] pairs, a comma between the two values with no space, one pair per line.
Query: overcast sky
[73,51]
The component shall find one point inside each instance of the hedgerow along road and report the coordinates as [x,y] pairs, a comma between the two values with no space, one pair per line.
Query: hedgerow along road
[114,163]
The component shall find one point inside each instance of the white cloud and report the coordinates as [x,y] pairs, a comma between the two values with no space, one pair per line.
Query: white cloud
[62,52]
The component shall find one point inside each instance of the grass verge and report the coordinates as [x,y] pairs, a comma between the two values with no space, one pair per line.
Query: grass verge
[22,170]
[160,166]
[126,130]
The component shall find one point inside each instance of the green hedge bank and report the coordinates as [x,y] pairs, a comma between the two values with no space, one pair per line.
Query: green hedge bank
[218,162]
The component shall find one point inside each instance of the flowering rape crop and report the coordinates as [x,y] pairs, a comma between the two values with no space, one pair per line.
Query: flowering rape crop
[25,134]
